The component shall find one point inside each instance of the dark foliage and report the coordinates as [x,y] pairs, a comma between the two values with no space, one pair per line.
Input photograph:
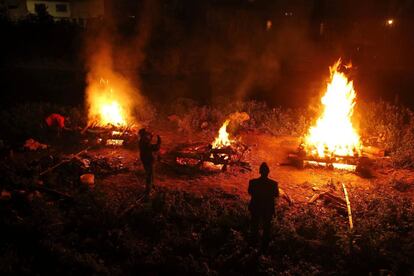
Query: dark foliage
[182,233]
[394,131]
[27,120]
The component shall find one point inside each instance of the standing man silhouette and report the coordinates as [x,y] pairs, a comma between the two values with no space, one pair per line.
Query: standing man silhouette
[146,152]
[263,192]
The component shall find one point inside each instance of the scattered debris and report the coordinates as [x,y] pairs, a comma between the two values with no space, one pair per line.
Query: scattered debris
[331,185]
[52,192]
[285,196]
[364,167]
[32,144]
[5,195]
[71,157]
[104,166]
[330,199]
[87,179]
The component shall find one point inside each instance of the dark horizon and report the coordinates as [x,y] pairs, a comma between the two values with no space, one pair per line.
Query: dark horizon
[275,51]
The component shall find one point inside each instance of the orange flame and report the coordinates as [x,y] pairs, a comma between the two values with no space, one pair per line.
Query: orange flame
[334,134]
[106,107]
[222,140]
[111,98]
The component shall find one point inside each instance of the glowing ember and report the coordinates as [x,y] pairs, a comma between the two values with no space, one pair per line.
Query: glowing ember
[337,166]
[334,134]
[222,139]
[114,142]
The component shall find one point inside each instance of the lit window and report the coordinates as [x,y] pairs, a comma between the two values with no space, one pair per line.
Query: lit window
[61,8]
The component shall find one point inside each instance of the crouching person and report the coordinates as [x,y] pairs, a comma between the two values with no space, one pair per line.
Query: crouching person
[263,192]
[147,151]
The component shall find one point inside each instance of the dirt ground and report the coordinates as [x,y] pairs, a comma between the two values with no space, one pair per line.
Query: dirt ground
[300,184]
[198,220]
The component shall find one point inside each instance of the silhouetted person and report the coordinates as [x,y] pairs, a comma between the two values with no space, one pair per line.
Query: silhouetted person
[147,150]
[263,192]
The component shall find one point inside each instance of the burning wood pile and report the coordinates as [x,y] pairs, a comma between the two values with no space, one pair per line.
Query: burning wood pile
[110,135]
[223,152]
[110,121]
[333,141]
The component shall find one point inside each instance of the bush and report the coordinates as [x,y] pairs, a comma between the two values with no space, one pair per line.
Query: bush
[391,127]
[28,120]
[277,121]
[381,124]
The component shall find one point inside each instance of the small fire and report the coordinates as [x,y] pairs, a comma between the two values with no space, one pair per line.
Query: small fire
[222,140]
[106,107]
[333,134]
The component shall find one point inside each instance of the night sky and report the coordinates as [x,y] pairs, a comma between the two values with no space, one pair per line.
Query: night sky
[277,51]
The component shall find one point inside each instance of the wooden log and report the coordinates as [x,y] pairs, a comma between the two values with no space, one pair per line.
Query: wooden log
[226,150]
[348,205]
[196,156]
[285,196]
[373,151]
[329,197]
[314,198]
[62,162]
[52,192]
[351,160]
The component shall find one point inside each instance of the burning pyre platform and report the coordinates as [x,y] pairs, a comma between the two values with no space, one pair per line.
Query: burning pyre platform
[204,157]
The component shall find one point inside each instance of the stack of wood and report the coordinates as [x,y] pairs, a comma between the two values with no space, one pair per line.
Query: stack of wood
[360,163]
[329,198]
[196,155]
[109,135]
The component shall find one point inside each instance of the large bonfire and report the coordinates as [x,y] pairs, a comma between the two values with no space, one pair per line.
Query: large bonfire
[111,99]
[106,107]
[334,134]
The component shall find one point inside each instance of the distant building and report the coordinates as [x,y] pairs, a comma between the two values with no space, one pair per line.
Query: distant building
[14,9]
[79,11]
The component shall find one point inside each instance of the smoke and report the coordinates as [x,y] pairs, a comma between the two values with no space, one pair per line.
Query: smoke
[114,61]
[246,57]
[276,51]
[107,86]
[239,117]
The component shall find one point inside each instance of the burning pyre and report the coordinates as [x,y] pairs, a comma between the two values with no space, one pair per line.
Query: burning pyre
[333,140]
[112,99]
[106,106]
[109,113]
[223,139]
[223,152]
